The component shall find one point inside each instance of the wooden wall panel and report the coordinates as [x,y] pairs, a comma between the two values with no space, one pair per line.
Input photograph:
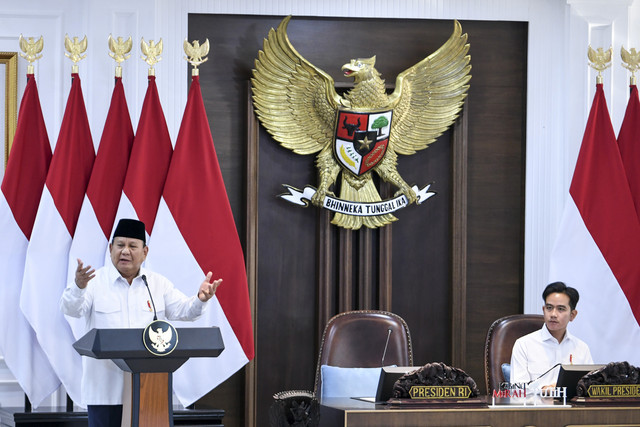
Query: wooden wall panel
[307,270]
[496,170]
[422,254]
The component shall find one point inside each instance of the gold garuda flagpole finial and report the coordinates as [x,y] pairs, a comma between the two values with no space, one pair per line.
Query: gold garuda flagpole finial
[120,51]
[630,61]
[600,60]
[152,53]
[75,48]
[31,49]
[195,54]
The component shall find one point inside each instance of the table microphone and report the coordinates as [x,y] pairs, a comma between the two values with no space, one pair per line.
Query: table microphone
[144,279]
[545,373]
[384,353]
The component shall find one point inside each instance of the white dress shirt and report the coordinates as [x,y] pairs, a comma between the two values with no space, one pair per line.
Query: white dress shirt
[109,301]
[535,353]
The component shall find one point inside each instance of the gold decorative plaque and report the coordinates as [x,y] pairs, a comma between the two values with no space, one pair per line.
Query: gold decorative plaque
[363,131]
[440,392]
[614,391]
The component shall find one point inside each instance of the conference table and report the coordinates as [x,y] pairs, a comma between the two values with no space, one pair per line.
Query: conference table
[349,412]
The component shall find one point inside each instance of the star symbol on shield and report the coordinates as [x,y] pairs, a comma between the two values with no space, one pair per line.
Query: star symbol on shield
[365,143]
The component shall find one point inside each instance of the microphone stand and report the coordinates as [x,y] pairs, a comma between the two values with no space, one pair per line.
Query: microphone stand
[155,315]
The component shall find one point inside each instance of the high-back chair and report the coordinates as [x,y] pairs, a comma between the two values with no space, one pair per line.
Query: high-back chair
[357,339]
[502,334]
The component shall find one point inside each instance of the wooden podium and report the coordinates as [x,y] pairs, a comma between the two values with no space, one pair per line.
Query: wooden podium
[152,394]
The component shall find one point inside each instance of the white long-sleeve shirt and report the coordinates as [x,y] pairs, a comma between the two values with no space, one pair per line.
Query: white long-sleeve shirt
[109,301]
[535,353]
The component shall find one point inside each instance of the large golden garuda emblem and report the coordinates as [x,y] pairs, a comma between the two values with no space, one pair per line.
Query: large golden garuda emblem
[364,130]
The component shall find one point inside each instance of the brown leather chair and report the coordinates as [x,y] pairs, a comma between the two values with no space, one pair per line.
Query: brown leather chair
[356,339]
[502,334]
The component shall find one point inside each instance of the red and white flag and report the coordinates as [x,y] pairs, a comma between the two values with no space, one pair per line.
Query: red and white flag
[45,272]
[598,245]
[21,190]
[629,144]
[195,233]
[148,164]
[98,212]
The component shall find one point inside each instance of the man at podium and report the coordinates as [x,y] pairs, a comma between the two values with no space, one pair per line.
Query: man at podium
[122,294]
[536,357]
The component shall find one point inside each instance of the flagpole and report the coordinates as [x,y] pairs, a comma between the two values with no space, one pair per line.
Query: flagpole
[30,137]
[31,49]
[598,238]
[630,128]
[52,234]
[186,224]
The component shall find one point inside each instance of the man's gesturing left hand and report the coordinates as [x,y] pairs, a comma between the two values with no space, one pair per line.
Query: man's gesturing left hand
[208,289]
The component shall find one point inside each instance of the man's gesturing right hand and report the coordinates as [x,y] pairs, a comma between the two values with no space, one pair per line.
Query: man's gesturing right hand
[84,274]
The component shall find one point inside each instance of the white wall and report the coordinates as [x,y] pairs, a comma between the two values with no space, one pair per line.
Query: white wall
[559,93]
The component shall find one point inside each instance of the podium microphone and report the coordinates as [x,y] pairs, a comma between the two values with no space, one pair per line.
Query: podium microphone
[384,353]
[144,279]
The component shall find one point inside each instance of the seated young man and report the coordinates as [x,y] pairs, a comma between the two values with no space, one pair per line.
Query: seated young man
[536,353]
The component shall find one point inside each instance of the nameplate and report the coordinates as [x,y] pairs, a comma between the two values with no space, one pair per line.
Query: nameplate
[440,392]
[614,391]
[517,395]
[510,393]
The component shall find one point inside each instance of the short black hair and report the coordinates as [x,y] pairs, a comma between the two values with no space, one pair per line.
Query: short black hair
[561,288]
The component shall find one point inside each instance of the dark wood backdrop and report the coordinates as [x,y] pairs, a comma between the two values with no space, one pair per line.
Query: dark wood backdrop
[449,267]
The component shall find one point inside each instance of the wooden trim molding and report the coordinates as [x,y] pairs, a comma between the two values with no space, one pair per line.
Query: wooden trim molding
[345,264]
[325,282]
[385,259]
[251,252]
[365,267]
[10,62]
[459,241]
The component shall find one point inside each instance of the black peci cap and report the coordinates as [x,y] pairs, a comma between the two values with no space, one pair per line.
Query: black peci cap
[130,228]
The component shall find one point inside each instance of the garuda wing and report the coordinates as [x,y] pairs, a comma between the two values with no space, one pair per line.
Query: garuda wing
[429,96]
[295,101]
[166,335]
[39,45]
[188,49]
[68,45]
[144,47]
[154,336]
